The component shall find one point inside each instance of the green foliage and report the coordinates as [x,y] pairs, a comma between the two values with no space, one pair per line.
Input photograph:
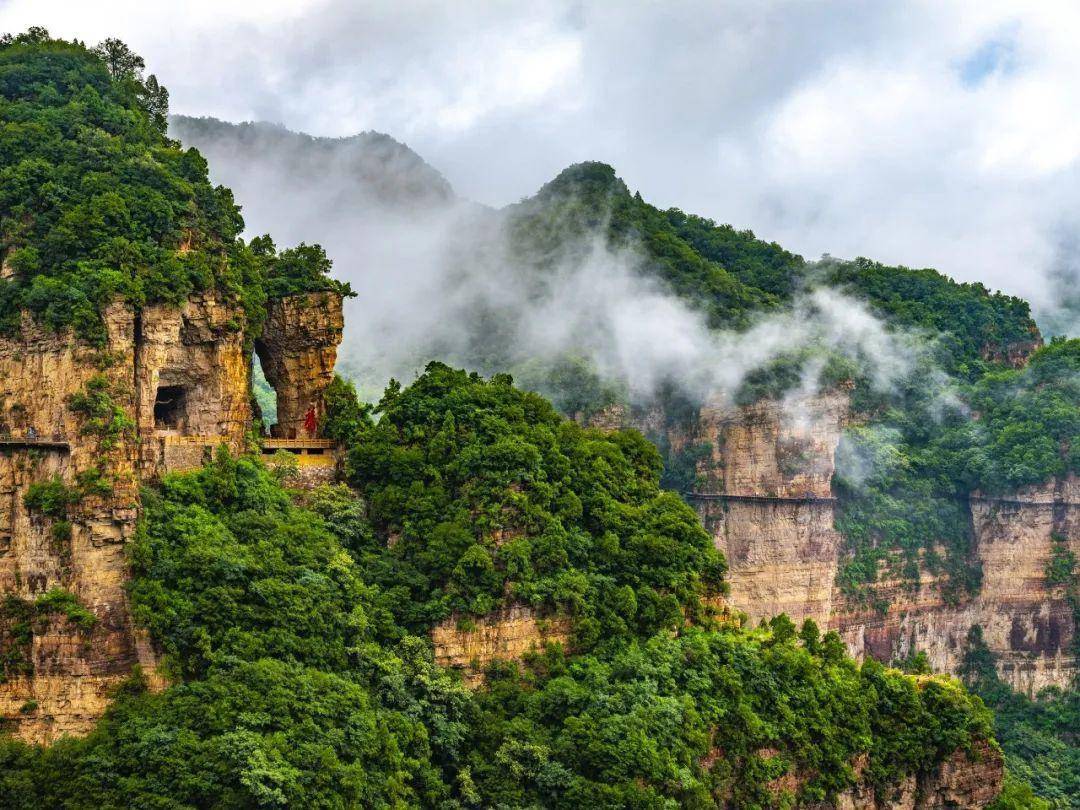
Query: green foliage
[492,497]
[904,481]
[51,498]
[1061,567]
[18,618]
[285,692]
[96,203]
[1038,736]
[101,415]
[1018,795]
[58,600]
[302,269]
[666,721]
[975,325]
[264,394]
[571,383]
[346,417]
[561,218]
[293,685]
[16,636]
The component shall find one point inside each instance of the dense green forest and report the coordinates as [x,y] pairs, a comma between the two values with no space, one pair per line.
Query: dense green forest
[295,626]
[96,203]
[291,634]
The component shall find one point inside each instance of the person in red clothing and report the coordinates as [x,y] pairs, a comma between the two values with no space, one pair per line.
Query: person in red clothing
[311,423]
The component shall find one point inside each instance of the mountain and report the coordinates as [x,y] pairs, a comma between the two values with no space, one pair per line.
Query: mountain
[897,458]
[369,164]
[188,624]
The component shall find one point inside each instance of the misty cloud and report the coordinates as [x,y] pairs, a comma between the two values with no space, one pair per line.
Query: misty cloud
[942,134]
[438,277]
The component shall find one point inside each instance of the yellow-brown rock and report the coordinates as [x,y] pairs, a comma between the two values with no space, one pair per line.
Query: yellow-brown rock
[964,781]
[197,351]
[72,672]
[298,350]
[764,492]
[505,635]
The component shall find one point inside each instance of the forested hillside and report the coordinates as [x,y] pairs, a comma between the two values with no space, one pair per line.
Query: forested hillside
[292,626]
[299,680]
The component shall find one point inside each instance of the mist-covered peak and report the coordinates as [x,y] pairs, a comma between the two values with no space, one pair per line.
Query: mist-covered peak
[369,164]
[588,179]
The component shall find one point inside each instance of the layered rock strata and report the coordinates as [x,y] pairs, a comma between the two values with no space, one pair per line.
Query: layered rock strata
[173,383]
[505,635]
[964,781]
[298,350]
[764,490]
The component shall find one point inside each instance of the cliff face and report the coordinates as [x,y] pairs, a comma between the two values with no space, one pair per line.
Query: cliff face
[1027,622]
[965,781]
[764,492]
[777,531]
[298,349]
[56,680]
[170,385]
[506,635]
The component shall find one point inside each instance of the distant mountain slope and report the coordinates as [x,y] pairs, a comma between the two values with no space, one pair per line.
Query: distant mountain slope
[378,166]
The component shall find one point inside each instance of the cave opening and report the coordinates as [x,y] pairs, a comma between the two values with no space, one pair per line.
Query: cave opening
[169,405]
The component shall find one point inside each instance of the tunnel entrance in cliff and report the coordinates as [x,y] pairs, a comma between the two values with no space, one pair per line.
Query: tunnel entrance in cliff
[170,406]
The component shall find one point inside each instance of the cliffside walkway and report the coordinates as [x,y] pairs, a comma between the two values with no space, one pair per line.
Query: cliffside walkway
[308,452]
[763,499]
[21,442]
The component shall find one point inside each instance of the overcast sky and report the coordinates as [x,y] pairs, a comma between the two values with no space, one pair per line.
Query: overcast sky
[926,133]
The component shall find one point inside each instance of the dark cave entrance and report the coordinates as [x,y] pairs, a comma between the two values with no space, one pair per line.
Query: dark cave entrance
[169,407]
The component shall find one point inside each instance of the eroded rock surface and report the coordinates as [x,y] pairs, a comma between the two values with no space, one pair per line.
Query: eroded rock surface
[179,379]
[298,350]
[505,635]
[763,490]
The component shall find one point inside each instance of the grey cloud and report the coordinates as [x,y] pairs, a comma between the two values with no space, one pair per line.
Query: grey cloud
[840,127]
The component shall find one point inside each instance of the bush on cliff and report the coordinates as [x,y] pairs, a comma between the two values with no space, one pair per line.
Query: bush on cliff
[293,686]
[97,203]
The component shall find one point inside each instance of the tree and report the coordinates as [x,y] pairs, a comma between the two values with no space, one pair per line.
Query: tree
[123,63]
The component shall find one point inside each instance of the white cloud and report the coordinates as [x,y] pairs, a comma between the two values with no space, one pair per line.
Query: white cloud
[926,133]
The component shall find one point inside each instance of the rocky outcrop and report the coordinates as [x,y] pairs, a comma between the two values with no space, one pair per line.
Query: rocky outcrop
[173,383]
[505,635]
[1027,623]
[192,374]
[764,492]
[297,350]
[67,672]
[763,489]
[964,781]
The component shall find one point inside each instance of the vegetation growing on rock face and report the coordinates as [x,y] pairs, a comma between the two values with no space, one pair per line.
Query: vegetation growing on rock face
[294,684]
[295,636]
[1038,736]
[96,203]
[489,496]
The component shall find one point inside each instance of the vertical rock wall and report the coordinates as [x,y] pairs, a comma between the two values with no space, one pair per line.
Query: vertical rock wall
[61,674]
[298,350]
[764,492]
[777,532]
[67,672]
[199,352]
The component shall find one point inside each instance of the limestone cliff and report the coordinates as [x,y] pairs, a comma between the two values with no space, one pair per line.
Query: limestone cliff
[506,635]
[64,673]
[964,781]
[170,385]
[763,489]
[298,349]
